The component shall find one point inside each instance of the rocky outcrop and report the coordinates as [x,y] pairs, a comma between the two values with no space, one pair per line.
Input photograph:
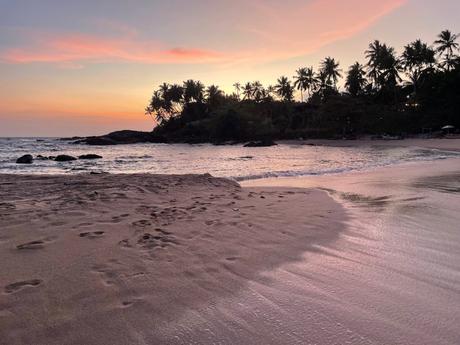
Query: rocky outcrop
[118,138]
[64,158]
[26,159]
[90,156]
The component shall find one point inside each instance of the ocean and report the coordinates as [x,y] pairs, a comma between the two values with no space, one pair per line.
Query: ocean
[230,161]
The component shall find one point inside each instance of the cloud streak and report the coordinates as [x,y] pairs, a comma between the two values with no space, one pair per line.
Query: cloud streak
[89,48]
[267,30]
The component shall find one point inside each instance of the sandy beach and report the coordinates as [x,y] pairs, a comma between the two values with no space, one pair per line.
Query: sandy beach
[359,258]
[120,259]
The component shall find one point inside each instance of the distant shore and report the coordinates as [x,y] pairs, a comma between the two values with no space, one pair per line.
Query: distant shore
[133,137]
[448,144]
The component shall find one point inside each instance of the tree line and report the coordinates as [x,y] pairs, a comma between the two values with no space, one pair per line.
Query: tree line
[412,92]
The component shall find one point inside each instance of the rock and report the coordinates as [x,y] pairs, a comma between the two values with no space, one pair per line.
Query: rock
[90,156]
[261,143]
[64,158]
[42,158]
[97,141]
[26,159]
[119,137]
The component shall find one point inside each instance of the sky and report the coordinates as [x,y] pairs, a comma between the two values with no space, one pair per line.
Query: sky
[89,67]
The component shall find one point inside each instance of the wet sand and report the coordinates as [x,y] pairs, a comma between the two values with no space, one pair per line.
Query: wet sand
[393,277]
[359,258]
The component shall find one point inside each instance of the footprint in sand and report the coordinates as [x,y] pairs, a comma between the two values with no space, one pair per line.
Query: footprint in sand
[162,239]
[93,234]
[14,287]
[141,223]
[31,245]
[6,206]
[37,244]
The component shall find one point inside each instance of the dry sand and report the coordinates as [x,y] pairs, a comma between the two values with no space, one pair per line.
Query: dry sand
[121,259]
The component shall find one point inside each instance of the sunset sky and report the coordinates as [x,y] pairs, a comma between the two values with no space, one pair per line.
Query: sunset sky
[88,67]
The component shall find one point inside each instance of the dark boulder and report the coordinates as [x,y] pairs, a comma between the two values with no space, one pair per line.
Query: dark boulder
[26,159]
[90,156]
[119,137]
[97,141]
[261,143]
[64,158]
[42,158]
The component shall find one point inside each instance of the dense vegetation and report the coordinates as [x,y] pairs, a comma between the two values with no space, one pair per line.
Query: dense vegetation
[414,92]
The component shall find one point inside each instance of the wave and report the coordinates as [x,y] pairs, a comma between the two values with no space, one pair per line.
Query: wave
[299,173]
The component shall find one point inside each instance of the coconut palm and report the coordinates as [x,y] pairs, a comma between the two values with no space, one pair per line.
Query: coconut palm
[446,45]
[248,91]
[373,55]
[383,65]
[418,60]
[257,91]
[284,89]
[270,92]
[330,69]
[356,79]
[305,80]
[301,81]
[237,87]
[193,91]
[214,95]
[417,56]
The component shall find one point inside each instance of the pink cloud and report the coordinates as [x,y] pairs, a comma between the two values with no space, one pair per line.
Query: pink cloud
[267,30]
[303,27]
[69,49]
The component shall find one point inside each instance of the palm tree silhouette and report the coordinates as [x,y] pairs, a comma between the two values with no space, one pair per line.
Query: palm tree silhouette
[446,44]
[418,60]
[301,81]
[257,91]
[213,95]
[373,55]
[356,79]
[383,65]
[248,91]
[237,87]
[284,89]
[193,91]
[331,71]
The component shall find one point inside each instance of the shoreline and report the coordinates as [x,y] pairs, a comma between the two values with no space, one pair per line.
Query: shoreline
[449,144]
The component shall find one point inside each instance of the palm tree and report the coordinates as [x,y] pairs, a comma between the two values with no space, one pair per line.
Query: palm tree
[301,81]
[418,60]
[193,91]
[237,87]
[446,44]
[356,79]
[213,95]
[311,80]
[383,65]
[417,55]
[374,57]
[331,70]
[248,91]
[271,92]
[284,89]
[257,91]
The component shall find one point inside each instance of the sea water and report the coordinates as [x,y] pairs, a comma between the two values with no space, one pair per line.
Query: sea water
[231,161]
